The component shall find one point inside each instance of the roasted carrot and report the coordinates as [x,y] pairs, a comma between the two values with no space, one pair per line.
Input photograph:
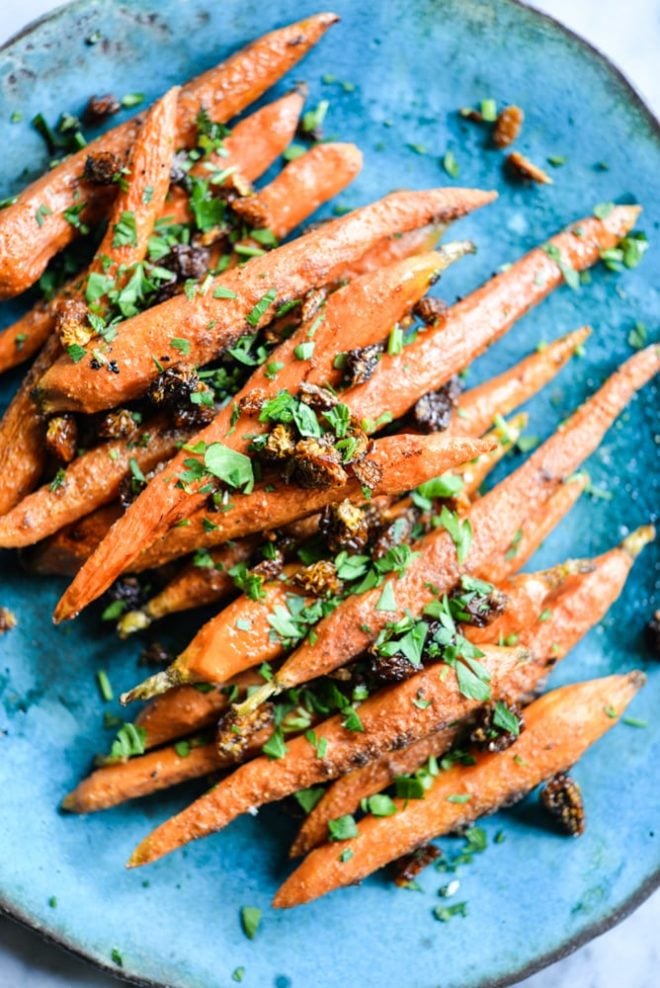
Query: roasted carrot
[64,553]
[534,530]
[467,328]
[212,321]
[495,521]
[26,247]
[579,602]
[187,709]
[90,481]
[300,188]
[112,784]
[356,309]
[389,719]
[195,586]
[251,147]
[477,408]
[475,472]
[21,447]
[559,729]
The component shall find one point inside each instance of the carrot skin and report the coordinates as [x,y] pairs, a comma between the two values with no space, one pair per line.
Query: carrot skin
[369,306]
[477,408]
[21,438]
[390,720]
[26,248]
[64,553]
[210,324]
[559,729]
[467,328]
[495,519]
[89,482]
[301,187]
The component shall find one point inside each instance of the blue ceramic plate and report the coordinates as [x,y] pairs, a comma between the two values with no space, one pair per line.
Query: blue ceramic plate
[410,65]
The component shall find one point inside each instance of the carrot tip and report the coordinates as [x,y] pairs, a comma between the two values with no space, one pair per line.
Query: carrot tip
[153,686]
[635,542]
[70,802]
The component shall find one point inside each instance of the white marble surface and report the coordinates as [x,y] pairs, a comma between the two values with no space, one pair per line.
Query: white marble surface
[627,956]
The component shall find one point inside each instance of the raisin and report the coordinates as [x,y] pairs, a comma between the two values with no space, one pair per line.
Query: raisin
[406,869]
[100,108]
[101,167]
[653,634]
[344,526]
[360,364]
[433,411]
[319,579]
[508,126]
[562,798]
[62,437]
[428,309]
[488,736]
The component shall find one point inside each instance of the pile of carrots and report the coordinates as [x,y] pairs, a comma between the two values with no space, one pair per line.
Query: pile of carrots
[373,624]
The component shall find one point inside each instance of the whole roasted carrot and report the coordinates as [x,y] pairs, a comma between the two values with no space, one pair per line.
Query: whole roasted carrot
[478,320]
[300,188]
[559,729]
[367,308]
[581,594]
[243,298]
[252,146]
[494,522]
[26,247]
[21,440]
[389,719]
[477,407]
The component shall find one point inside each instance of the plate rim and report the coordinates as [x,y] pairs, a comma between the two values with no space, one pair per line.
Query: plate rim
[652,882]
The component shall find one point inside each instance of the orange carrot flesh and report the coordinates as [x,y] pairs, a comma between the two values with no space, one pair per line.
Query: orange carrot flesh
[495,521]
[389,719]
[26,247]
[368,313]
[559,729]
[300,188]
[468,327]
[534,530]
[211,323]
[194,586]
[187,709]
[476,408]
[475,471]
[580,594]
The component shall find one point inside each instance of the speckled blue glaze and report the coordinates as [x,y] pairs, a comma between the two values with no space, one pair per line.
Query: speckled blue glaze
[412,63]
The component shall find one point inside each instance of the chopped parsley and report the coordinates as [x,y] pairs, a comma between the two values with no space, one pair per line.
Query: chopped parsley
[250,920]
[255,316]
[124,232]
[343,828]
[460,531]
[450,164]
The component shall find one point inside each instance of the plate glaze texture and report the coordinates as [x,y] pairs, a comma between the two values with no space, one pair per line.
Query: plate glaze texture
[407,66]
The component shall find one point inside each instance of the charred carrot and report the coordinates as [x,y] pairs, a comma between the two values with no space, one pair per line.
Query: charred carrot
[477,408]
[494,522]
[244,298]
[559,729]
[365,307]
[387,718]
[90,481]
[26,247]
[467,328]
[300,188]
